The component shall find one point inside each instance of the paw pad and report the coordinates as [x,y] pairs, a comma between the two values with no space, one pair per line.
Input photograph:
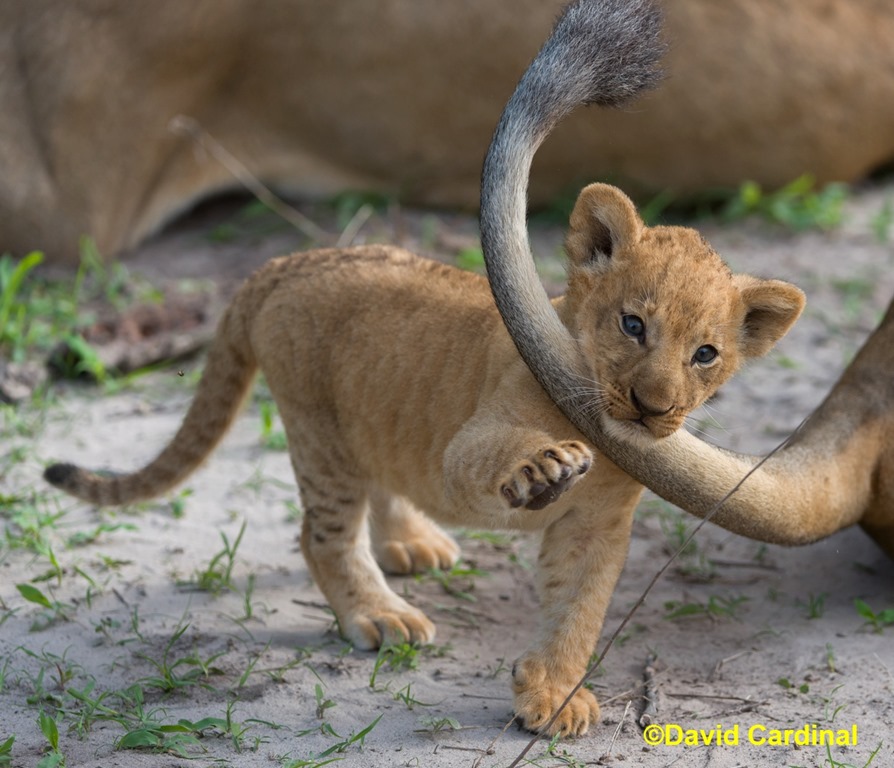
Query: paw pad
[539,481]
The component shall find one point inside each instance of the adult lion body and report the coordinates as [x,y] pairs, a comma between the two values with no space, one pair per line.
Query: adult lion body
[401,97]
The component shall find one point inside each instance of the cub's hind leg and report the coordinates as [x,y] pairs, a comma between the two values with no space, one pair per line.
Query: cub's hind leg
[336,545]
[405,540]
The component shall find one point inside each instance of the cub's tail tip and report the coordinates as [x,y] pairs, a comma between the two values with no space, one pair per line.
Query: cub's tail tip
[60,475]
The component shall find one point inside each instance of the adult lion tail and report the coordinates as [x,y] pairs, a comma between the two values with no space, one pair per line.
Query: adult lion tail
[225,383]
[837,471]
[601,52]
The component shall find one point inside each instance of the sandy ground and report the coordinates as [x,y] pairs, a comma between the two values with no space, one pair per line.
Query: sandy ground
[746,636]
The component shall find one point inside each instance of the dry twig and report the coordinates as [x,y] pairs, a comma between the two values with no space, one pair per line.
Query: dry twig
[190,127]
[611,746]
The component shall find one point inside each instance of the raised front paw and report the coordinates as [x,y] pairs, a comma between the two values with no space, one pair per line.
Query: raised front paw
[538,697]
[544,477]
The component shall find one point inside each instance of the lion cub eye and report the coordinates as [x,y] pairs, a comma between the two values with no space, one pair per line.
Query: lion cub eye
[634,327]
[704,355]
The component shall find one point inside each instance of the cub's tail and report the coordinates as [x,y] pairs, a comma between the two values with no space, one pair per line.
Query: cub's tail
[225,383]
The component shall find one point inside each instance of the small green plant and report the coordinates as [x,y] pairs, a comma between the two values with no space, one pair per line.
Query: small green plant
[76,358]
[257,481]
[716,607]
[799,205]
[358,738]
[178,503]
[322,702]
[179,739]
[6,751]
[278,674]
[815,605]
[91,536]
[217,576]
[14,313]
[448,580]
[48,727]
[248,605]
[877,620]
[82,708]
[562,755]
[308,763]
[495,670]
[790,686]
[55,671]
[108,280]
[55,572]
[183,737]
[830,658]
[410,701]
[324,728]
[471,259]
[294,513]
[830,712]
[692,561]
[439,724]
[173,673]
[397,657]
[55,611]
[273,439]
[135,624]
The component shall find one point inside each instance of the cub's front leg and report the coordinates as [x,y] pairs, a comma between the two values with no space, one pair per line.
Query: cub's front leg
[496,475]
[515,476]
[580,560]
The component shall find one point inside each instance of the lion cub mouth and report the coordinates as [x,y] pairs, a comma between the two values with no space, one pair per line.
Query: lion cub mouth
[629,417]
[631,423]
[657,429]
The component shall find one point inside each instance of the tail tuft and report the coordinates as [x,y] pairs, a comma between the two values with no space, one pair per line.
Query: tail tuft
[602,52]
[605,52]
[60,475]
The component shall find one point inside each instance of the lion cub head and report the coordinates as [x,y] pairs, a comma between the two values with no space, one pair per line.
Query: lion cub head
[662,321]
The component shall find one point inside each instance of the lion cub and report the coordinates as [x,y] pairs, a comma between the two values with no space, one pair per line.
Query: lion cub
[404,399]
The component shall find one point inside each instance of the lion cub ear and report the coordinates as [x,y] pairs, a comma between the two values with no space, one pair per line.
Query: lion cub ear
[771,308]
[604,221]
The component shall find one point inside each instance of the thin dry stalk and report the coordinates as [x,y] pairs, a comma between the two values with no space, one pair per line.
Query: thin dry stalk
[190,127]
[611,746]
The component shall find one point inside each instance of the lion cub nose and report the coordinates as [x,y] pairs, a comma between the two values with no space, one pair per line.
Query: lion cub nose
[648,409]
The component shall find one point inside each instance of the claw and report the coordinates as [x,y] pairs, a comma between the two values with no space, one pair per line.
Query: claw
[547,475]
